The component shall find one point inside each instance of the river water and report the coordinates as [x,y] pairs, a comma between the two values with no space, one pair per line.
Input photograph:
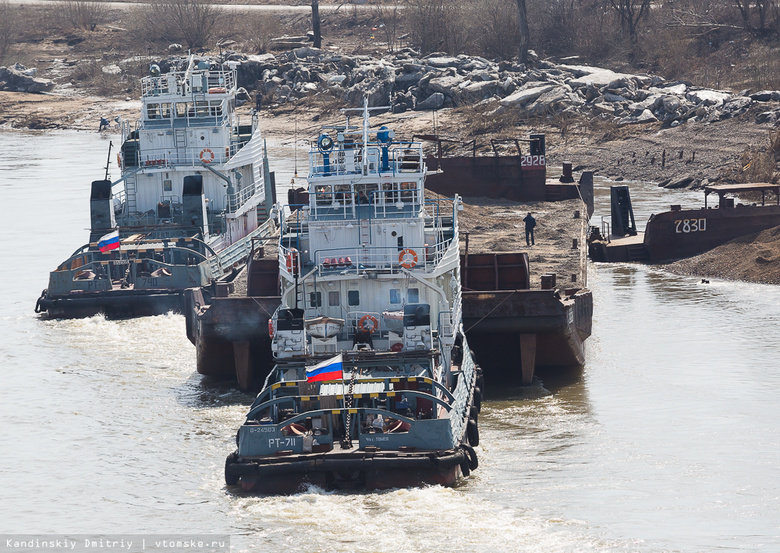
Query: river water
[667,440]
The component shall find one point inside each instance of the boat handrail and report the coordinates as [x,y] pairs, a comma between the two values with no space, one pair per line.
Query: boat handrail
[239,250]
[424,379]
[94,262]
[417,257]
[256,409]
[185,83]
[397,158]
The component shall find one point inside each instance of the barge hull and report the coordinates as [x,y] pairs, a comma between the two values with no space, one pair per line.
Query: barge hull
[120,305]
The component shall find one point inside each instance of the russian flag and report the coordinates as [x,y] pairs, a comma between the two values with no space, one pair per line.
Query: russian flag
[109,242]
[332,369]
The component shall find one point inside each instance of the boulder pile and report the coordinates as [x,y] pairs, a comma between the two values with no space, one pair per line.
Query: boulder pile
[407,81]
[19,78]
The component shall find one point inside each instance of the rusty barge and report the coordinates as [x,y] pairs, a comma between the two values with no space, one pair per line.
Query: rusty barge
[680,233]
[537,313]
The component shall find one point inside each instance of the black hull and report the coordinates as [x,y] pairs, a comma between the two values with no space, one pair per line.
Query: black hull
[361,470]
[114,304]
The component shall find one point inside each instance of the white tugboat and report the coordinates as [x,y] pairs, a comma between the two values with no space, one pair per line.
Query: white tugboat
[195,189]
[374,384]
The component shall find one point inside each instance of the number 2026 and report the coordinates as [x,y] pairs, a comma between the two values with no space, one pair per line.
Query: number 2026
[690,225]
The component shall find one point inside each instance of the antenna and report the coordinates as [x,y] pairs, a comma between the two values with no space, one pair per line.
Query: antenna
[108,158]
[295,148]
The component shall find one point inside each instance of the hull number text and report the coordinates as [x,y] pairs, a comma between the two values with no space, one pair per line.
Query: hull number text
[532,161]
[684,226]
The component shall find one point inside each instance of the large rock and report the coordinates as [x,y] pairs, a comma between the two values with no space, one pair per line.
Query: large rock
[434,101]
[442,61]
[446,84]
[708,97]
[15,79]
[523,96]
[597,76]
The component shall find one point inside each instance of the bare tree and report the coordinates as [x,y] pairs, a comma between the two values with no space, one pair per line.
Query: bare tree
[389,18]
[760,17]
[631,13]
[438,25]
[190,21]
[87,15]
[522,23]
[8,28]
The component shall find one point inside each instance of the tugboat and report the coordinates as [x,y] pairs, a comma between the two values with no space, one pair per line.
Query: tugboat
[194,191]
[374,385]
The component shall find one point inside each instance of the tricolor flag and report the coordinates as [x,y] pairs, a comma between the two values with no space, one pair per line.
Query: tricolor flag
[327,370]
[109,242]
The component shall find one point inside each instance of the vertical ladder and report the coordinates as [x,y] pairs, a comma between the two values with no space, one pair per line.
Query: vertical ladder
[130,191]
[365,232]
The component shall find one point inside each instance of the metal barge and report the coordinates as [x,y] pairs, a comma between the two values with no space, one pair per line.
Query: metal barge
[680,233]
[541,318]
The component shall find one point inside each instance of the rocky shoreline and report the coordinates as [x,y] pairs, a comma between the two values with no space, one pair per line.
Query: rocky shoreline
[622,126]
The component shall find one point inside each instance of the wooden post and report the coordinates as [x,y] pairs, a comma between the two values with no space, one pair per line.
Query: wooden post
[527,357]
[315,23]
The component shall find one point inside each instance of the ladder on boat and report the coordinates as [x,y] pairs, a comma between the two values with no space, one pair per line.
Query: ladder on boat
[130,193]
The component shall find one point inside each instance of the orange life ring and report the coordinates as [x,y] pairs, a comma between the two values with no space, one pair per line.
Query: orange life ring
[407,258]
[368,322]
[270,328]
[119,160]
[206,155]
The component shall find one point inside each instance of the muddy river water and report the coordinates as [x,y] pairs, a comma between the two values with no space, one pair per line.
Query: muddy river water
[666,440]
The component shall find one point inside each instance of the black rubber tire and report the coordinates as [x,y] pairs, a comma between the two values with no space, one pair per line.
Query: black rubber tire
[474,413]
[465,467]
[480,379]
[471,455]
[231,475]
[472,432]
[478,399]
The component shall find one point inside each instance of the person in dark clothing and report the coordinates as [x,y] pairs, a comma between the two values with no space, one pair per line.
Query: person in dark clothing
[530,223]
[104,124]
[258,101]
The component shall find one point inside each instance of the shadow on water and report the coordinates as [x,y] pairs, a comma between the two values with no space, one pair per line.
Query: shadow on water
[205,392]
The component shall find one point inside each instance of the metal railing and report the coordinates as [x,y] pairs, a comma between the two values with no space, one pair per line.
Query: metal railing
[356,260]
[394,159]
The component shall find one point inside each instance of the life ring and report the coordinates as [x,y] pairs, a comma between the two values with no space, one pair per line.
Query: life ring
[119,160]
[368,322]
[407,258]
[206,155]
[270,328]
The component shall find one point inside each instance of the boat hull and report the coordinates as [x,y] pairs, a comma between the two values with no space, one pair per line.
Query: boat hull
[119,304]
[360,470]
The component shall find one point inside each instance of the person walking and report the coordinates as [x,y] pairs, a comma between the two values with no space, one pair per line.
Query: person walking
[530,224]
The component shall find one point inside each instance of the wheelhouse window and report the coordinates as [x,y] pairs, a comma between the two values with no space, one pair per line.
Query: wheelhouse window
[182,108]
[315,299]
[153,111]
